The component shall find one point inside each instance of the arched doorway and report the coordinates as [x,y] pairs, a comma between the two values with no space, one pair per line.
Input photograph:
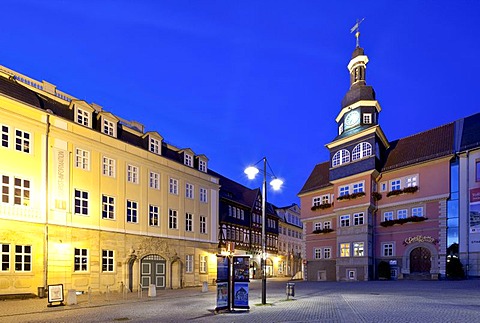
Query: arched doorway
[152,271]
[420,260]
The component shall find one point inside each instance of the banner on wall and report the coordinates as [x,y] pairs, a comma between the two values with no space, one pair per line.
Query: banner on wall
[474,219]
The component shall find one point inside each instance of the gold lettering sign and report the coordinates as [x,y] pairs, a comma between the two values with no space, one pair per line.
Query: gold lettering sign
[420,239]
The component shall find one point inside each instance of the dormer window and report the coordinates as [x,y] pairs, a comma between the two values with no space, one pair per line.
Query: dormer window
[202,166]
[109,128]
[188,160]
[154,146]
[83,117]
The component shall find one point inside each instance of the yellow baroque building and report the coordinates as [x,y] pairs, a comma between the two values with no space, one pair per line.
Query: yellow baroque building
[94,202]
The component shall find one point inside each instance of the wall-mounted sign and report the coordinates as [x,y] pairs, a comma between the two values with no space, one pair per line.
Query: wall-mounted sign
[419,239]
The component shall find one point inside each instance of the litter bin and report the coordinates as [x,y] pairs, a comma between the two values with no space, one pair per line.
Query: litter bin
[290,290]
[41,292]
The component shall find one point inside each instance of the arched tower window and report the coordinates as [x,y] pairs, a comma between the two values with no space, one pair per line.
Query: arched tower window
[341,157]
[361,150]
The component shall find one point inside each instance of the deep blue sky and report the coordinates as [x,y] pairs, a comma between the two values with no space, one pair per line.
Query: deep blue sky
[239,80]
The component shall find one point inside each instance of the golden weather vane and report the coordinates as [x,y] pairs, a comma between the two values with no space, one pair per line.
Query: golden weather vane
[356,28]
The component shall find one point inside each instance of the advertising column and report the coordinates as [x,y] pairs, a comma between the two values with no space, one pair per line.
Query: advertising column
[241,266]
[223,283]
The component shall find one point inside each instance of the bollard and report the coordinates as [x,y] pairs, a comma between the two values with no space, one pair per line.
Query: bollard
[72,297]
[152,290]
[290,290]
[205,287]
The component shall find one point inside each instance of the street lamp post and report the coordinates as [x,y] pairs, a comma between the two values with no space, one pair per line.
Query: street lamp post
[276,183]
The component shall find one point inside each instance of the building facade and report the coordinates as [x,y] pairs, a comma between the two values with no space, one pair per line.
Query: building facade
[95,202]
[390,209]
[291,247]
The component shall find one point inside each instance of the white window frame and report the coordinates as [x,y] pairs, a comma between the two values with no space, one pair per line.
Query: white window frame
[188,222]
[173,186]
[317,226]
[109,128]
[417,211]
[344,190]
[316,201]
[203,264]
[411,181]
[5,258]
[189,264]
[23,141]
[327,225]
[153,215]
[108,166]
[203,224]
[5,136]
[108,207]
[81,202]
[341,157]
[188,160]
[83,117]
[317,253]
[21,191]
[131,211]
[358,187]
[345,220]
[23,258]
[154,146]
[388,249]
[80,263]
[344,250]
[189,191]
[82,159]
[367,118]
[202,165]
[172,219]
[108,261]
[395,184]
[340,129]
[388,216]
[402,214]
[358,249]
[133,173]
[358,218]
[327,253]
[154,181]
[203,195]
[362,150]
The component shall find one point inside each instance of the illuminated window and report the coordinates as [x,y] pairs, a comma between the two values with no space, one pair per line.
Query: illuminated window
[82,159]
[153,219]
[203,264]
[107,260]
[345,250]
[81,202]
[411,181]
[108,207]
[80,260]
[358,249]
[22,141]
[132,211]
[23,258]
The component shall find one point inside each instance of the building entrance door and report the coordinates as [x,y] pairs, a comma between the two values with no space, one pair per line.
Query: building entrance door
[153,271]
[420,260]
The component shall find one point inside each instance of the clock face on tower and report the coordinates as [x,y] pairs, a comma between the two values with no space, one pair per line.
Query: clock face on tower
[352,119]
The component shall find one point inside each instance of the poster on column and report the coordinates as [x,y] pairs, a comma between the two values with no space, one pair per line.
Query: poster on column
[474,219]
[241,268]
[222,269]
[240,295]
[222,295]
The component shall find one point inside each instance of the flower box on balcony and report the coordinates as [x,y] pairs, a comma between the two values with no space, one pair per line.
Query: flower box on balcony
[322,231]
[322,206]
[390,223]
[351,196]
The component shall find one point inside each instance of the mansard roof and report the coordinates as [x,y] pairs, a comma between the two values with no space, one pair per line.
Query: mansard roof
[12,87]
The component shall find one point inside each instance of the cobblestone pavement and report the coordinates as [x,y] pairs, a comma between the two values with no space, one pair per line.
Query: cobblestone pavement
[376,301]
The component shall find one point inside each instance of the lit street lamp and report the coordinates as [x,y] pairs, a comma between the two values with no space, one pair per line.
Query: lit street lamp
[276,183]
